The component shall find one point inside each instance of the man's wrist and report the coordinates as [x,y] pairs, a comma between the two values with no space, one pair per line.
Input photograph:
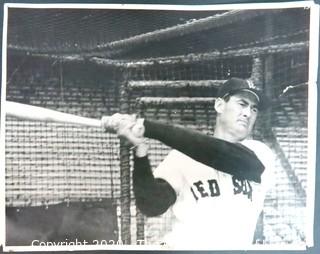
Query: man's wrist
[141,150]
[138,129]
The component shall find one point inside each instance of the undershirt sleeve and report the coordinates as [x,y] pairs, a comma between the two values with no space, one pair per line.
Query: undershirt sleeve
[228,157]
[153,195]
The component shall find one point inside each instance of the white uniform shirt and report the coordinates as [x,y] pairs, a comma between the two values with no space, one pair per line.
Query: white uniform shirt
[213,209]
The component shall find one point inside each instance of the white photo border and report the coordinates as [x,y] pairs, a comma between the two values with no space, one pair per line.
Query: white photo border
[312,110]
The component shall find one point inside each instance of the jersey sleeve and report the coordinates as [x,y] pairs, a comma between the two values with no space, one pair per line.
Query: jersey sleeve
[170,169]
[267,157]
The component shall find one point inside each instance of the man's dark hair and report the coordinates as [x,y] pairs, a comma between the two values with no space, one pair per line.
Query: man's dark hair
[226,98]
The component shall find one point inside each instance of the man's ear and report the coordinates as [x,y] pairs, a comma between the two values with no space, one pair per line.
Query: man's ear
[219,105]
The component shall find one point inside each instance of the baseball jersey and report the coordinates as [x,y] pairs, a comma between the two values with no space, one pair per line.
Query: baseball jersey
[213,209]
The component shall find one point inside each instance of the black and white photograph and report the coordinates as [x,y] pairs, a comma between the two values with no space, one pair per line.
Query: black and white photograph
[158,127]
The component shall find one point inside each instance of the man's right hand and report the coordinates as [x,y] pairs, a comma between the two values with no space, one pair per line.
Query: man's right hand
[111,123]
[128,127]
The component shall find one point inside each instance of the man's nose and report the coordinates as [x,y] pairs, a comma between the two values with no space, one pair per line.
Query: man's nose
[246,111]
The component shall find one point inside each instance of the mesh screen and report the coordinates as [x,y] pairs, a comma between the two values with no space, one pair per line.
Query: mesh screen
[51,163]
[48,163]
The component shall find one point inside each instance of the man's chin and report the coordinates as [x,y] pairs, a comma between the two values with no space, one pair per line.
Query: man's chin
[242,133]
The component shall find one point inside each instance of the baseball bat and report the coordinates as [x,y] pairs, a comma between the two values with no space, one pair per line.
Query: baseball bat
[208,150]
[35,113]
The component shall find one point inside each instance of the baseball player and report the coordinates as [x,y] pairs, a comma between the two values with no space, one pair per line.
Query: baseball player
[215,196]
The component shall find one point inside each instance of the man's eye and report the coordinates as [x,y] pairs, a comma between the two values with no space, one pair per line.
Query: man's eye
[255,110]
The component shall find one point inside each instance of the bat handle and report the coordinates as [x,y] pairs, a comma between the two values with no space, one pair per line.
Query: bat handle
[107,124]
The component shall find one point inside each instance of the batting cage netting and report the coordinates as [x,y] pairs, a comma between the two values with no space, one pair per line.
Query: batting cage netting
[164,65]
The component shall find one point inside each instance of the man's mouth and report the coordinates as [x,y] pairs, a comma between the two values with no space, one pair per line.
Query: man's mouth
[243,122]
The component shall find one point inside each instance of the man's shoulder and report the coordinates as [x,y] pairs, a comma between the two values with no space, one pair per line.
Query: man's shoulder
[263,151]
[255,145]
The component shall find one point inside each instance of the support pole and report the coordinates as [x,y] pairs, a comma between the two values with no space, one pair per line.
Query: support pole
[202,57]
[125,174]
[147,101]
[168,84]
[97,59]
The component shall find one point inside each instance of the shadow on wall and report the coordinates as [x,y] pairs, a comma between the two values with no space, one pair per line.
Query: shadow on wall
[63,224]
